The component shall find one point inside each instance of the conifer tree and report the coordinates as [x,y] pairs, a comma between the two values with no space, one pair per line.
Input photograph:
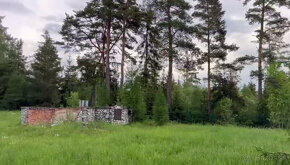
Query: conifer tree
[130,20]
[69,81]
[12,67]
[45,74]
[174,23]
[95,29]
[160,109]
[15,95]
[264,12]
[212,31]
[149,49]
[150,45]
[90,70]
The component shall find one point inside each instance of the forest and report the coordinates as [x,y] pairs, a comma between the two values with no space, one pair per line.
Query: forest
[129,53]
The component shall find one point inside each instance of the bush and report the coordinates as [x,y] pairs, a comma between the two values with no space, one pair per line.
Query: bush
[279,96]
[131,96]
[224,112]
[188,104]
[160,109]
[73,100]
[15,94]
[248,114]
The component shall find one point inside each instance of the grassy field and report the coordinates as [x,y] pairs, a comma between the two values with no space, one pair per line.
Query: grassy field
[137,144]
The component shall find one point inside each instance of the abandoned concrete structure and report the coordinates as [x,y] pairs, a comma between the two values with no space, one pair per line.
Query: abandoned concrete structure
[41,115]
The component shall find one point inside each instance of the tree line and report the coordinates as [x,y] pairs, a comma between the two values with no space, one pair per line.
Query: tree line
[125,47]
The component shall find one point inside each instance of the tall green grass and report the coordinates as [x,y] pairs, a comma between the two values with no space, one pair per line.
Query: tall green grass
[137,144]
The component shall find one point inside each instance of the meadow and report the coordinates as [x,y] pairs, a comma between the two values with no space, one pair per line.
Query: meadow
[100,143]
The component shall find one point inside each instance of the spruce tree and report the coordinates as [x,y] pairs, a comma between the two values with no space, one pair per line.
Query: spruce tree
[15,95]
[149,49]
[174,23]
[12,63]
[69,82]
[150,46]
[45,74]
[212,31]
[132,97]
[264,12]
[160,109]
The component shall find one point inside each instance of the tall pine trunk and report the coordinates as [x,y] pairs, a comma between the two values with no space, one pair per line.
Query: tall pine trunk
[170,56]
[146,54]
[123,52]
[260,55]
[103,55]
[210,113]
[108,43]
[92,102]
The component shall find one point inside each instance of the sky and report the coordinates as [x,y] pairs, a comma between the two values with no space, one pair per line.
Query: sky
[28,19]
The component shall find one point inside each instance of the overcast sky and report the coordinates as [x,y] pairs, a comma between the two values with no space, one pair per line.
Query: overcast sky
[27,19]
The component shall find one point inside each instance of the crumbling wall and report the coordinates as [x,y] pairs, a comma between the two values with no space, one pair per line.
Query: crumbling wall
[108,115]
[86,115]
[41,115]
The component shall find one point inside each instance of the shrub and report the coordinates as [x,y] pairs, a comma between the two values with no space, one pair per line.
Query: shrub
[188,104]
[15,94]
[224,112]
[248,113]
[131,96]
[160,109]
[73,100]
[279,96]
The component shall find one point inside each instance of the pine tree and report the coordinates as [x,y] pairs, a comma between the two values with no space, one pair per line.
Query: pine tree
[160,109]
[275,49]
[45,74]
[95,29]
[211,30]
[90,70]
[264,12]
[149,49]
[174,23]
[130,20]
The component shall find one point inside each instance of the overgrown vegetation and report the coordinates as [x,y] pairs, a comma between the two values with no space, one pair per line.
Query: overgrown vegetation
[100,143]
[129,53]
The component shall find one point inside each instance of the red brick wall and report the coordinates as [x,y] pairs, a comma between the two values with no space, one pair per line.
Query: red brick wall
[47,115]
[40,116]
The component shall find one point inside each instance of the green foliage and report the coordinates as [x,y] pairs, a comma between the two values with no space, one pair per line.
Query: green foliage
[279,158]
[188,104]
[12,69]
[160,109]
[172,144]
[131,96]
[224,112]
[248,114]
[102,96]
[84,91]
[45,75]
[73,100]
[15,95]
[279,96]
[69,82]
